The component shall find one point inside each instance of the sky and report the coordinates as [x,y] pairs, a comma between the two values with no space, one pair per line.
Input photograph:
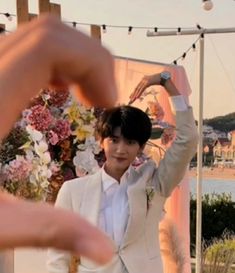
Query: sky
[219,65]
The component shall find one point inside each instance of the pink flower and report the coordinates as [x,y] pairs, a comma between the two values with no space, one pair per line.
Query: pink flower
[54,167]
[68,174]
[17,169]
[62,129]
[139,160]
[39,117]
[155,110]
[53,137]
[58,97]
[168,135]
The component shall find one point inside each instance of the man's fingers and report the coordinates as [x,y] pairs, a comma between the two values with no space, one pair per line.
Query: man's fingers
[94,245]
[27,224]
[96,90]
[138,90]
[68,231]
[97,87]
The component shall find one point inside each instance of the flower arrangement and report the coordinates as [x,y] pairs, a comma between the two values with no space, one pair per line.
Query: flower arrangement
[150,191]
[52,142]
[160,129]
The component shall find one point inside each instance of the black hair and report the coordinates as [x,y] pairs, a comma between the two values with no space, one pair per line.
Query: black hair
[134,123]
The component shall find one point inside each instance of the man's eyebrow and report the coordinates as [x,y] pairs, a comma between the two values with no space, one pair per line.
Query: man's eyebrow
[113,136]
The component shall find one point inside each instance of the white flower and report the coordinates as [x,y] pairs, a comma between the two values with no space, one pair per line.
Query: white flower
[33,179]
[46,97]
[35,135]
[90,143]
[40,174]
[29,155]
[40,148]
[46,158]
[44,172]
[85,162]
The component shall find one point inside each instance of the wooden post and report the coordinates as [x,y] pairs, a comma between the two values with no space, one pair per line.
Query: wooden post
[7,261]
[2,29]
[96,32]
[55,9]
[22,11]
[32,16]
[44,6]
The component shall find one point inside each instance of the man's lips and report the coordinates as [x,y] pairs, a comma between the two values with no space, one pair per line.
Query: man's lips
[120,158]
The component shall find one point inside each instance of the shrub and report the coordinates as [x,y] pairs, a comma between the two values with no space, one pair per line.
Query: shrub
[220,255]
[218,212]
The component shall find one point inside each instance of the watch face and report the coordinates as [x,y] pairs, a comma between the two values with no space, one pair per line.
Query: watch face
[165,75]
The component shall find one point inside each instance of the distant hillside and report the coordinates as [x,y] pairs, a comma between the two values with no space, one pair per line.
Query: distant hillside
[223,123]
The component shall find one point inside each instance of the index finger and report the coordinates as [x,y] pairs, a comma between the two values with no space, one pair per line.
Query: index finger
[98,87]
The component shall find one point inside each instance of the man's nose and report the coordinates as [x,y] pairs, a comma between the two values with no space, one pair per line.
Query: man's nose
[121,147]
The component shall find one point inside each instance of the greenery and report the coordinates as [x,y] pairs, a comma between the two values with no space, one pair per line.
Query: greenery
[218,212]
[222,123]
[219,256]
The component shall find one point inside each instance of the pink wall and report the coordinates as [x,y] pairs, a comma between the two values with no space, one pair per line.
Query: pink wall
[128,74]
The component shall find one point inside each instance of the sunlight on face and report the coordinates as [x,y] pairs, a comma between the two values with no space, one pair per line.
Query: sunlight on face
[119,151]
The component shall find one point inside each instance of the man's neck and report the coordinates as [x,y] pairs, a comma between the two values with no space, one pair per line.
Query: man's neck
[115,173]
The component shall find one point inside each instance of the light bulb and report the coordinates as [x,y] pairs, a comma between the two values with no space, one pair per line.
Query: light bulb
[207,4]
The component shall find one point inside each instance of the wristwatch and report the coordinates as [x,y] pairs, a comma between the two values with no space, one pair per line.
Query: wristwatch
[165,76]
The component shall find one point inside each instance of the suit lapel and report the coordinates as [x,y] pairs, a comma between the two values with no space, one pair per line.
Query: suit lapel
[90,205]
[138,211]
[138,201]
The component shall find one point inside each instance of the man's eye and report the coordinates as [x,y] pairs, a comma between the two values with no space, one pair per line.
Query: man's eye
[113,140]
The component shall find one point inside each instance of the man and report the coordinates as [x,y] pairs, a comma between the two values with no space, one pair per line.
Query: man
[116,198]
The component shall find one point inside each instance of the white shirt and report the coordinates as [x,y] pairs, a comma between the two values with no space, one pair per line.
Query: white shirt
[114,209]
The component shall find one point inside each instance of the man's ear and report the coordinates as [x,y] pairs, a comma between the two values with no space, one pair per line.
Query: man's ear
[141,149]
[101,143]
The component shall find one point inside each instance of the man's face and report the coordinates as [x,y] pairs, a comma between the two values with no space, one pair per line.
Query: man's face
[119,151]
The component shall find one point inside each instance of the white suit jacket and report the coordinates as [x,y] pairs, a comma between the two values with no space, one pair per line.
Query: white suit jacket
[139,251]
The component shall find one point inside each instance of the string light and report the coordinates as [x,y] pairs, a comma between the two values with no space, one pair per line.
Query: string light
[104,28]
[130,28]
[198,26]
[8,15]
[2,30]
[207,4]
[183,56]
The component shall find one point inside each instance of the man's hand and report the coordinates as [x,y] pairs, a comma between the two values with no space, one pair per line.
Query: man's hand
[143,84]
[25,224]
[47,52]
[154,79]
[41,53]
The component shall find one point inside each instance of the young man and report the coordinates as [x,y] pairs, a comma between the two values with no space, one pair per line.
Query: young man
[115,198]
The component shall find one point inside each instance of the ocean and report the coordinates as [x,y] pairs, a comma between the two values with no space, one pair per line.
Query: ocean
[214,186]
